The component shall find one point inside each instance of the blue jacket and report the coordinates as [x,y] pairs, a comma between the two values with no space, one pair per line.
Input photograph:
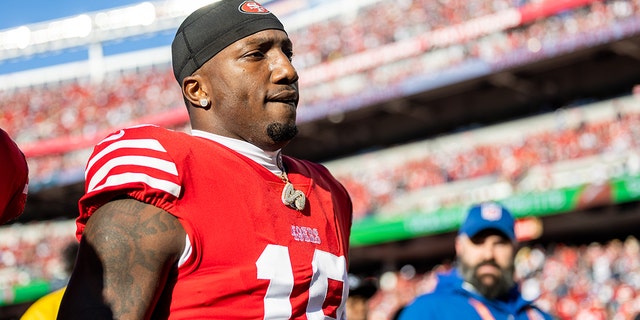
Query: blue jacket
[450,300]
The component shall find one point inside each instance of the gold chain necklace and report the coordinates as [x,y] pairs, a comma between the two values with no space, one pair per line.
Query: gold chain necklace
[290,196]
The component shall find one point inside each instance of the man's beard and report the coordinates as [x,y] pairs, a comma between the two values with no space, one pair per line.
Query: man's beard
[282,132]
[500,286]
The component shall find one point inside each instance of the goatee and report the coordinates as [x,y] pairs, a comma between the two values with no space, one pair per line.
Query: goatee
[282,132]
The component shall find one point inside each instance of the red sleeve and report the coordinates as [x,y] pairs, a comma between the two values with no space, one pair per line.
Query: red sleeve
[14,181]
[132,162]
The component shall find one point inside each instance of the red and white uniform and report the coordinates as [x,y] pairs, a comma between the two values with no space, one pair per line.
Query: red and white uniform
[252,257]
[14,179]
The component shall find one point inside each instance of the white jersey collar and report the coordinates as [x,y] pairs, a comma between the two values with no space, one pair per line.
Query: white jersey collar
[267,159]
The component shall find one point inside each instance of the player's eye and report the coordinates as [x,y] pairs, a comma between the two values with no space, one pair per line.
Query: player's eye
[255,54]
[288,51]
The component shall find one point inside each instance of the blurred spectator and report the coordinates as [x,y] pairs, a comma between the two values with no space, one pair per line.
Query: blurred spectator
[46,308]
[32,252]
[360,291]
[562,279]
[483,283]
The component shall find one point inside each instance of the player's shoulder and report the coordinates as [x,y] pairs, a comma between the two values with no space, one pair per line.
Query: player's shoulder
[144,131]
[306,165]
[142,136]
[139,141]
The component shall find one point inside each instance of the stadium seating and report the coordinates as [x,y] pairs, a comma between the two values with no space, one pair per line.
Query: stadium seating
[81,109]
[386,184]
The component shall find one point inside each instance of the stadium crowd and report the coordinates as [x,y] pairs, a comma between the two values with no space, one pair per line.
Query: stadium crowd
[508,159]
[80,108]
[542,38]
[386,22]
[33,253]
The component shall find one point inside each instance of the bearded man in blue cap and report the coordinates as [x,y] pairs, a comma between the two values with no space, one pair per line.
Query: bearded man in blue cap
[482,284]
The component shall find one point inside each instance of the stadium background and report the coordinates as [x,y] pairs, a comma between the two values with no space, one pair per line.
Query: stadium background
[420,107]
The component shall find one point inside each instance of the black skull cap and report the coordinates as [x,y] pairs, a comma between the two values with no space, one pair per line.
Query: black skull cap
[210,29]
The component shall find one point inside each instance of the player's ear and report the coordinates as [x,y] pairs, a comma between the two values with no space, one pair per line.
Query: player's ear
[194,91]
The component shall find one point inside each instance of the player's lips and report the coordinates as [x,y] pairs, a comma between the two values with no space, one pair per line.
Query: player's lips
[287,97]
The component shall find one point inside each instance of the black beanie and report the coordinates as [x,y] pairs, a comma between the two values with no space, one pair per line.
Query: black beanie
[212,28]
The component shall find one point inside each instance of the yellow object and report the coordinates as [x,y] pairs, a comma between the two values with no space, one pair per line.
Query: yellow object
[45,308]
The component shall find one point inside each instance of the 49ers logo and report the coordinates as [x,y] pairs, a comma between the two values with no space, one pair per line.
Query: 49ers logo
[252,7]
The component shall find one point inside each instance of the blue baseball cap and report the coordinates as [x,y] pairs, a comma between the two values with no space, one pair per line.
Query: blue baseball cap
[489,215]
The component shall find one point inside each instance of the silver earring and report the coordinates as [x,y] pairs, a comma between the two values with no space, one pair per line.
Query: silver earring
[204,102]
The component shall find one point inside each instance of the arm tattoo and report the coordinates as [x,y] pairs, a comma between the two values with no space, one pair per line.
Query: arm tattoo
[137,244]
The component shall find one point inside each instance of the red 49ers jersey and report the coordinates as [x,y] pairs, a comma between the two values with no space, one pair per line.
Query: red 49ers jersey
[252,256]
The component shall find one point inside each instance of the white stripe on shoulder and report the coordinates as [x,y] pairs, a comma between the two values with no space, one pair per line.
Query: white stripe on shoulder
[125,178]
[150,144]
[112,137]
[120,133]
[138,161]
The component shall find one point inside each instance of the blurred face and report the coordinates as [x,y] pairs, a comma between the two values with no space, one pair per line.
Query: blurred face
[356,308]
[486,261]
[253,91]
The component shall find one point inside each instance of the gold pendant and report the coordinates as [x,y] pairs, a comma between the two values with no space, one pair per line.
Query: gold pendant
[292,197]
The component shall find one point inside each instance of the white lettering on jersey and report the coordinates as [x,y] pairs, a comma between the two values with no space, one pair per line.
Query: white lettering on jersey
[305,234]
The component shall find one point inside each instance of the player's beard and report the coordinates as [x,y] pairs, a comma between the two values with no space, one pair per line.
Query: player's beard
[500,285]
[282,132]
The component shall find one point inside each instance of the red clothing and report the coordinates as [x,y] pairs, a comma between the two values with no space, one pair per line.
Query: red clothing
[253,257]
[14,175]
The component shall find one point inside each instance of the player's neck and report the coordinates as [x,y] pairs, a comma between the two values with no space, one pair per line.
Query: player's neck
[267,159]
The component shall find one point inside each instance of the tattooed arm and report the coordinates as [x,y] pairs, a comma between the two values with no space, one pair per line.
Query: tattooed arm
[126,254]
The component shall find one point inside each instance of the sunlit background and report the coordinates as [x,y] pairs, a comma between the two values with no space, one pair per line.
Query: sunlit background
[419,107]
